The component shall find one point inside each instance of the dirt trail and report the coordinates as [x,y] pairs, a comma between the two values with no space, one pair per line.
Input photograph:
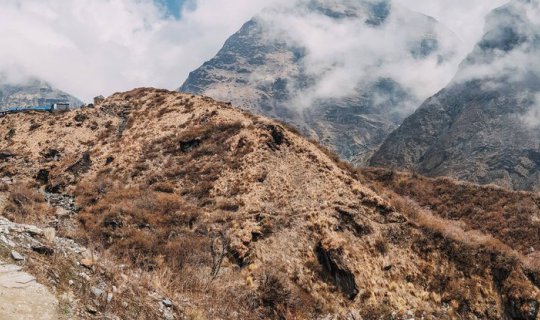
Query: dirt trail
[22,298]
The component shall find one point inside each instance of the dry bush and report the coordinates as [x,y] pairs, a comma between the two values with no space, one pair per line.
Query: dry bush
[26,204]
[197,157]
[141,225]
[503,214]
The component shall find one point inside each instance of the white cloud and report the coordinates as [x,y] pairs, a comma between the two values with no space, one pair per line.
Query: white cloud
[101,46]
[342,55]
[464,17]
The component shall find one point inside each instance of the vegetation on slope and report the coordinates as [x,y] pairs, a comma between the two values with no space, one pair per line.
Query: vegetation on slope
[235,216]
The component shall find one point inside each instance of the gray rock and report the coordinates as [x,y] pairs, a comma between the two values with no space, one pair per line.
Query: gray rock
[167,303]
[91,309]
[6,241]
[16,256]
[97,292]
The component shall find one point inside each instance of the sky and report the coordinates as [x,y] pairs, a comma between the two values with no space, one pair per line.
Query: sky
[87,48]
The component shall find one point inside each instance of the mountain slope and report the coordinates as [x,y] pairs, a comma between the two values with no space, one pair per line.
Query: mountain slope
[32,93]
[484,126]
[349,93]
[233,216]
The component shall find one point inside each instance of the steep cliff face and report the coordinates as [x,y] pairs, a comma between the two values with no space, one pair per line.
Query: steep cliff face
[484,127]
[348,93]
[32,93]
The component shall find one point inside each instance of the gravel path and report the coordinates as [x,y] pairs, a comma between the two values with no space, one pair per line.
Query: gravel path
[22,298]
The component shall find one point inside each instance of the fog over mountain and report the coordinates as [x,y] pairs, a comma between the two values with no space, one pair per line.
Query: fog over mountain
[344,72]
[100,47]
[32,93]
[484,126]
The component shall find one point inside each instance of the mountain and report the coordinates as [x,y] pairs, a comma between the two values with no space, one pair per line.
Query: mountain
[168,205]
[340,71]
[32,93]
[483,127]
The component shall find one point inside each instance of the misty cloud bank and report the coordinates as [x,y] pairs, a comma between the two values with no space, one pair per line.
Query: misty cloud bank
[100,46]
[374,40]
[507,57]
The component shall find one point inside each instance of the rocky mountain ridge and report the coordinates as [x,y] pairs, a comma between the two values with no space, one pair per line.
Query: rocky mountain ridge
[269,67]
[484,126]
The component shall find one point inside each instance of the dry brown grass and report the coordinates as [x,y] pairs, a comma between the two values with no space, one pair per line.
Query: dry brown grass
[510,217]
[25,204]
[222,212]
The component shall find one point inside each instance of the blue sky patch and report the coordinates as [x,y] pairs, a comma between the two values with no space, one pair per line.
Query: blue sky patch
[173,7]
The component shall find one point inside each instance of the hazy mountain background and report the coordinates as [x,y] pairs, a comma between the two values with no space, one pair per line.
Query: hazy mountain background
[100,47]
[484,126]
[31,93]
[344,72]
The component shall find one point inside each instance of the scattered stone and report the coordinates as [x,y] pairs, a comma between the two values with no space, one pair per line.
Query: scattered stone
[88,263]
[43,176]
[81,166]
[6,180]
[97,292]
[80,118]
[32,230]
[16,256]
[7,268]
[6,241]
[49,234]
[71,282]
[6,155]
[387,267]
[98,100]
[168,315]
[52,154]
[167,303]
[91,309]
[109,297]
[16,280]
[84,276]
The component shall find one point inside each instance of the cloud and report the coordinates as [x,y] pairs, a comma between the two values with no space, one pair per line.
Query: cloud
[343,55]
[531,118]
[464,17]
[101,46]
[509,50]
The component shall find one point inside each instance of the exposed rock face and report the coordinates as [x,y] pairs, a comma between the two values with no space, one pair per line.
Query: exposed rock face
[270,67]
[32,93]
[484,127]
